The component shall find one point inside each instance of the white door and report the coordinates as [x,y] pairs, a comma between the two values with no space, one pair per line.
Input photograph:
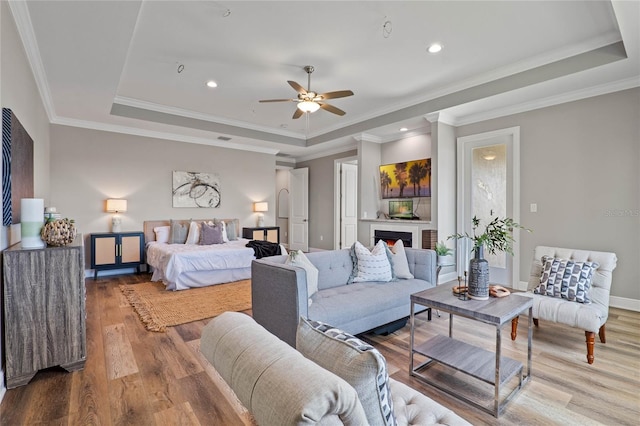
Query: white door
[488,187]
[348,205]
[299,209]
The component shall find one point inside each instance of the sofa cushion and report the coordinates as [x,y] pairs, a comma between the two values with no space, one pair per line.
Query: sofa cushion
[567,279]
[399,261]
[371,265]
[357,362]
[298,258]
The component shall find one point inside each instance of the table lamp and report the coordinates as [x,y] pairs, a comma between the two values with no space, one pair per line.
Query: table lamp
[260,208]
[116,206]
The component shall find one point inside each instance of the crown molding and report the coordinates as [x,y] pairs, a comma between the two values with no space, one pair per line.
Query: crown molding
[21,17]
[441,117]
[365,137]
[151,106]
[576,95]
[159,135]
[326,153]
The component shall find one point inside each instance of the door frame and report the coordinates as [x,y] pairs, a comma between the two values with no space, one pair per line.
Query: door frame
[513,133]
[337,163]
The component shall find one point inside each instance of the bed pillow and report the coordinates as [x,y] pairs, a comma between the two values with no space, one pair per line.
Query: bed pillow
[225,238]
[298,258]
[211,234]
[162,233]
[193,237]
[371,265]
[232,232]
[566,279]
[178,232]
[355,361]
[399,261]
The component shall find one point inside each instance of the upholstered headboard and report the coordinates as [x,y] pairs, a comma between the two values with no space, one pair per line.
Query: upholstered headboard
[148,226]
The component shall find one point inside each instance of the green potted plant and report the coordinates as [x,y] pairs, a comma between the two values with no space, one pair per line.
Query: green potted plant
[497,237]
[442,251]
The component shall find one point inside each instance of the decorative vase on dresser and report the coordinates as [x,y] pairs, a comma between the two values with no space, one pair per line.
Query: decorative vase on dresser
[479,275]
[44,310]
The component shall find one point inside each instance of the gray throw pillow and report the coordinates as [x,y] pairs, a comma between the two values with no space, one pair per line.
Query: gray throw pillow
[211,234]
[355,361]
[232,232]
[178,232]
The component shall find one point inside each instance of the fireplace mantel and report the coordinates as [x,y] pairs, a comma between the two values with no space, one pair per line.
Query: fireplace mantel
[416,227]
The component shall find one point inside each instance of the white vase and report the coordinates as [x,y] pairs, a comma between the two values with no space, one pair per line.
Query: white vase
[31,222]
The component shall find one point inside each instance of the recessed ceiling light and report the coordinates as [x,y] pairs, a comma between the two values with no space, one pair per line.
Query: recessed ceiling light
[434,48]
[212,84]
[403,129]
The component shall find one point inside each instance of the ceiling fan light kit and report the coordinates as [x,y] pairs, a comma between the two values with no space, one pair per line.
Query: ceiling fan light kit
[309,101]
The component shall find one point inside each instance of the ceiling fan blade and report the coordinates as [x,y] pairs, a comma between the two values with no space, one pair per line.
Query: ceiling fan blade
[331,108]
[336,94]
[297,114]
[278,100]
[297,87]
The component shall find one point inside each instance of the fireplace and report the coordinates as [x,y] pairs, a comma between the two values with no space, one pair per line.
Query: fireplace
[390,237]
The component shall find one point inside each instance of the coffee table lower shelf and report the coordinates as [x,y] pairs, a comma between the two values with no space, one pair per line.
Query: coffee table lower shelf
[473,361]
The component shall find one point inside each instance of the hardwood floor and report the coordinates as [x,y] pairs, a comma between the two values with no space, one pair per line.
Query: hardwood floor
[136,377]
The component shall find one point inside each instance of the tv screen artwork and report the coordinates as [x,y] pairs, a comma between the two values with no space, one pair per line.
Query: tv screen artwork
[406,180]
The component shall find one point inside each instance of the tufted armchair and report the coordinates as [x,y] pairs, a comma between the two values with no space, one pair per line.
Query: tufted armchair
[589,317]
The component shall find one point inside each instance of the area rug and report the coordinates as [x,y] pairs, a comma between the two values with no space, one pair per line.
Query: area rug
[159,308]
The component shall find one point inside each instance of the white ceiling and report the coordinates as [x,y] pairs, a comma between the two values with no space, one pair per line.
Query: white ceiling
[113,65]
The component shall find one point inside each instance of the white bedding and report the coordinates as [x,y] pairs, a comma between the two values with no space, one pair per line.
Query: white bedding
[181,266]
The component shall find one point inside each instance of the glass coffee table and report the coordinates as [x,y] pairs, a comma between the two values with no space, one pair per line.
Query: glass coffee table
[487,366]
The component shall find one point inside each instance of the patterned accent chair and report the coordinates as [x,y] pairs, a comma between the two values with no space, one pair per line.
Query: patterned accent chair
[590,317]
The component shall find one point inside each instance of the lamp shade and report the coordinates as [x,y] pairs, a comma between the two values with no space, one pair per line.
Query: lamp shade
[116,206]
[261,207]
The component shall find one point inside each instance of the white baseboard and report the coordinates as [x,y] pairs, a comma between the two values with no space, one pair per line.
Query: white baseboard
[445,278]
[625,303]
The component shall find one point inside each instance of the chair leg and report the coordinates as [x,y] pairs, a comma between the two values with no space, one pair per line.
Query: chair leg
[591,342]
[514,328]
[535,322]
[603,338]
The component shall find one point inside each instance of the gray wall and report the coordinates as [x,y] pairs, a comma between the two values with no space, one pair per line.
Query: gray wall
[321,199]
[19,92]
[89,166]
[579,163]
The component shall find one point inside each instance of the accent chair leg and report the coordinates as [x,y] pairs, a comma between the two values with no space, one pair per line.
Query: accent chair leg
[603,338]
[591,342]
[514,328]
[535,322]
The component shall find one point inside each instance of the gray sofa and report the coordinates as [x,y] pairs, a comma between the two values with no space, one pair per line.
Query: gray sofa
[279,293]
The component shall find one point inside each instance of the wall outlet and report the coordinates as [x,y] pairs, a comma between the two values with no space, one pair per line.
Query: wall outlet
[321,238]
[533,207]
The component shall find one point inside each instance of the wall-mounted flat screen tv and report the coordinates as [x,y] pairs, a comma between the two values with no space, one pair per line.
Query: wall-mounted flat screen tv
[406,180]
[401,209]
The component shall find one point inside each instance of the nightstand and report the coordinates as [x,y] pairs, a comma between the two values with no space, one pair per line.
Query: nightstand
[265,233]
[116,250]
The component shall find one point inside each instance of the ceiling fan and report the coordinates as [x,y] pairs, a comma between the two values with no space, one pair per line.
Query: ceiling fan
[309,101]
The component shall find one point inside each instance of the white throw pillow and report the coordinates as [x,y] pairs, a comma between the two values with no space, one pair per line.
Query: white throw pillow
[193,237]
[298,258]
[399,260]
[372,265]
[162,233]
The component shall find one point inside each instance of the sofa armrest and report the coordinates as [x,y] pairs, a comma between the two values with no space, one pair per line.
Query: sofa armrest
[279,297]
[422,264]
[272,380]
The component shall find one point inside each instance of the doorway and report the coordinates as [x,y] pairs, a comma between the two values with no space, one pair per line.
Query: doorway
[345,202]
[489,187]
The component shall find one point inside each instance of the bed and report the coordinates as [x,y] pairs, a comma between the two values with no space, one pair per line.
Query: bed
[182,266]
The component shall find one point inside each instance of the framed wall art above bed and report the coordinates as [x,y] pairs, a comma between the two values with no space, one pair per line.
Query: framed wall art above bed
[196,189]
